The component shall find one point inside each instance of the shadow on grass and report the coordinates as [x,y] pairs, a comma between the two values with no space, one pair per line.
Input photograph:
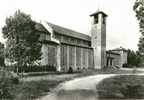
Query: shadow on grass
[121,87]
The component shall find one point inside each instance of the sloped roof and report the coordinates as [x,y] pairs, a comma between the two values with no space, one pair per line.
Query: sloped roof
[63,31]
[119,49]
[99,12]
[110,52]
[69,32]
[40,27]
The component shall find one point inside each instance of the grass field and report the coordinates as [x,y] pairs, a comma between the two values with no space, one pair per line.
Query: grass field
[35,85]
[122,87]
[32,89]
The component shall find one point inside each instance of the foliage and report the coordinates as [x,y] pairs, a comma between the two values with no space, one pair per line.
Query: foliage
[139,9]
[1,54]
[32,90]
[70,70]
[7,80]
[22,46]
[133,58]
[33,68]
[24,90]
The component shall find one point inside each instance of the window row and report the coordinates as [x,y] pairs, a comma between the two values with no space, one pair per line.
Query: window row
[71,40]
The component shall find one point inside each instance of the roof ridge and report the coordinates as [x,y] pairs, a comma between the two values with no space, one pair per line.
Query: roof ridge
[67,28]
[69,32]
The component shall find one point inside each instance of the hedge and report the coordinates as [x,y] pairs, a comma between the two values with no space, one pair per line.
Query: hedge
[27,69]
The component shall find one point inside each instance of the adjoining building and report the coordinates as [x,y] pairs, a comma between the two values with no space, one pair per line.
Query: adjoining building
[65,48]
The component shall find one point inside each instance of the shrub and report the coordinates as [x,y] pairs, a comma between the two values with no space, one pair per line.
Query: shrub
[70,70]
[127,66]
[6,85]
[14,78]
[36,68]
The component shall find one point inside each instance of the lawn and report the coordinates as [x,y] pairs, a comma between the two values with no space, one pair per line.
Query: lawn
[122,87]
[35,85]
[32,89]
[29,87]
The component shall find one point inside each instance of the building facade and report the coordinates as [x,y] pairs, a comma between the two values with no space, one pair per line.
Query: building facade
[65,48]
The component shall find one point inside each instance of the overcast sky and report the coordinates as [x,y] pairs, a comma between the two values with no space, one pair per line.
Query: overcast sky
[122,26]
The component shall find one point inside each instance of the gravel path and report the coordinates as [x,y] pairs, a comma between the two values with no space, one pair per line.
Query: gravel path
[88,83]
[77,89]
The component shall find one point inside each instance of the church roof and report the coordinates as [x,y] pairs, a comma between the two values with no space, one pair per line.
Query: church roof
[39,27]
[99,12]
[68,32]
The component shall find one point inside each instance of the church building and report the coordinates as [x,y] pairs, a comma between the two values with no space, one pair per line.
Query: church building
[65,48]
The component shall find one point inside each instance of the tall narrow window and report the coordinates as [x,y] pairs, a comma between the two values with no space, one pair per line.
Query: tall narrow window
[95,19]
[104,20]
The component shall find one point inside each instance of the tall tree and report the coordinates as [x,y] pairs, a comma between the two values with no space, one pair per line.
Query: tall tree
[139,9]
[133,58]
[22,45]
[1,54]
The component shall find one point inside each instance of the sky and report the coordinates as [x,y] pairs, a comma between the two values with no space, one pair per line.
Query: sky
[122,25]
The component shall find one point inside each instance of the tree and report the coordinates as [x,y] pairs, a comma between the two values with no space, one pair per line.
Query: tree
[1,54]
[22,45]
[139,9]
[133,58]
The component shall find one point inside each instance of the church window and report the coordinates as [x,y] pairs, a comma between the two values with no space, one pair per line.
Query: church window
[65,54]
[62,57]
[95,19]
[78,41]
[95,37]
[81,42]
[71,56]
[89,43]
[71,40]
[104,20]
[78,56]
[85,43]
[58,37]
[74,41]
[66,39]
[84,57]
[42,37]
[61,39]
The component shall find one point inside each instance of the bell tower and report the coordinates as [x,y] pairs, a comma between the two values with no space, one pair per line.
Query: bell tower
[98,38]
